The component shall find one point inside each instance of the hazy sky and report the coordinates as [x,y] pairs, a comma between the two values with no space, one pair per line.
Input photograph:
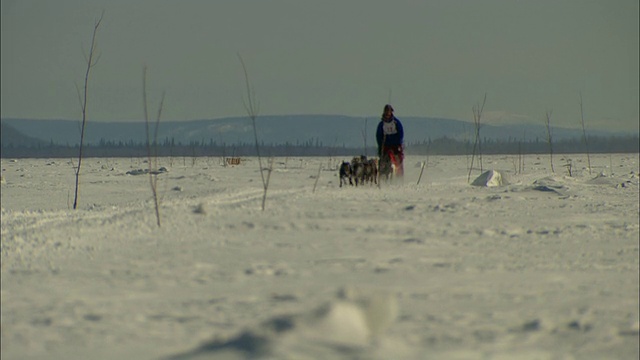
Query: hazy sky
[432,58]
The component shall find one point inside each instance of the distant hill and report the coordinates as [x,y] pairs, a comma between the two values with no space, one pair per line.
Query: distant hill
[326,130]
[12,137]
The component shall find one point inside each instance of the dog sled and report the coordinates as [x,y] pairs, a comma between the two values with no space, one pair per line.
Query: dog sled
[390,164]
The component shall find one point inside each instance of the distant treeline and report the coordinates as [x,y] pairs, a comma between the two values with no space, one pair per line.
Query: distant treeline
[597,144]
[441,146]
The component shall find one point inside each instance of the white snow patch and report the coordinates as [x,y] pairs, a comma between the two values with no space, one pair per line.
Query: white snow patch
[546,267]
[490,178]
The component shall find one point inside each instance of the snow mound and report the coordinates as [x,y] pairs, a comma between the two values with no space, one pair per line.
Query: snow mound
[604,179]
[348,324]
[490,178]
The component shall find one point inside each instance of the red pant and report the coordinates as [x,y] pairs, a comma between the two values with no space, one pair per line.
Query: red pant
[393,154]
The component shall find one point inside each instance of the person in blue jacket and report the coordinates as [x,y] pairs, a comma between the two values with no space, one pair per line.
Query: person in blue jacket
[390,138]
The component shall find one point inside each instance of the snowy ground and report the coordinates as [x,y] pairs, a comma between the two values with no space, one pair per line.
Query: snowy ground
[545,267]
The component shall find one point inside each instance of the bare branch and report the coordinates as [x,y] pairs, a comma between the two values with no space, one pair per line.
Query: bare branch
[549,137]
[252,110]
[483,102]
[96,60]
[250,106]
[83,103]
[477,114]
[79,95]
[152,159]
[584,134]
[253,114]
[155,135]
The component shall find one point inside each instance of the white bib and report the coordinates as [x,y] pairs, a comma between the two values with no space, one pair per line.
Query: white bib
[389,128]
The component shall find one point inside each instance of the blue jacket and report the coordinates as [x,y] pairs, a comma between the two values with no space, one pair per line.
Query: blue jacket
[390,133]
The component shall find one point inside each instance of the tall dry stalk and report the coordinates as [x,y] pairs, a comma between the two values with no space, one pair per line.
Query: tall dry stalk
[610,164]
[549,138]
[251,107]
[521,153]
[266,184]
[584,134]
[91,62]
[315,184]
[152,158]
[424,164]
[477,114]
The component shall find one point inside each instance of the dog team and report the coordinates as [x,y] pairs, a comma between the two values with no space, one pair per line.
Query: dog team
[390,139]
[359,171]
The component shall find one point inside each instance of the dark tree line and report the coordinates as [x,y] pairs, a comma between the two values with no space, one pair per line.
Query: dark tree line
[441,146]
[512,146]
[171,148]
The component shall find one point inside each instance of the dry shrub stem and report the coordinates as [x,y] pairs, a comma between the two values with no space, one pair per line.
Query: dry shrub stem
[421,171]
[584,134]
[91,62]
[251,107]
[521,154]
[424,164]
[152,157]
[477,114]
[549,138]
[266,185]
[317,178]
